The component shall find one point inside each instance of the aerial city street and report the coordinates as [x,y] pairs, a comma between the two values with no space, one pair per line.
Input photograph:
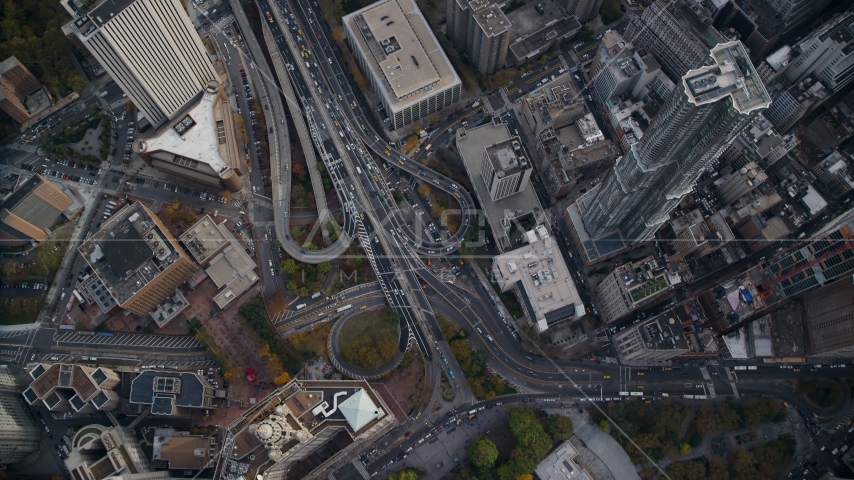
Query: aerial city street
[277,239]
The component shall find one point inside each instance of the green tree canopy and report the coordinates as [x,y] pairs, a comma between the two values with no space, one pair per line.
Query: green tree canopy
[289,266]
[482,452]
[560,427]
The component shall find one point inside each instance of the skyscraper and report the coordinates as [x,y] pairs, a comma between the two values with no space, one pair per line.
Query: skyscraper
[149,47]
[668,35]
[481,30]
[585,10]
[16,83]
[19,434]
[701,117]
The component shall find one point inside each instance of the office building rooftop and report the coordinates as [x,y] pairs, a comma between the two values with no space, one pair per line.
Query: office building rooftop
[779,58]
[204,240]
[227,263]
[539,270]
[129,251]
[180,450]
[560,465]
[165,391]
[298,419]
[100,11]
[406,54]
[472,144]
[732,74]
[645,279]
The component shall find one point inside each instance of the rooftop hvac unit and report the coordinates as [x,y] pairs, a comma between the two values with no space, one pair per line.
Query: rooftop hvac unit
[389,49]
[385,42]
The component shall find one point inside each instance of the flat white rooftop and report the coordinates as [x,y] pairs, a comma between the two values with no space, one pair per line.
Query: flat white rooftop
[196,136]
[540,267]
[401,50]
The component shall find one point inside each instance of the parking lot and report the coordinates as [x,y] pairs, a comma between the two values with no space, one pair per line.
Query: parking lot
[128,340]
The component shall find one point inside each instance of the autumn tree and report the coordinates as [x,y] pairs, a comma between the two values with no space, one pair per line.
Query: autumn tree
[405,474]
[226,195]
[298,170]
[424,190]
[241,129]
[282,379]
[11,268]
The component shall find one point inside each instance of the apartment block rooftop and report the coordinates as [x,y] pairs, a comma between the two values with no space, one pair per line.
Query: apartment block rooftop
[732,74]
[508,157]
[129,251]
[489,17]
[646,278]
[534,43]
[60,385]
[663,332]
[544,281]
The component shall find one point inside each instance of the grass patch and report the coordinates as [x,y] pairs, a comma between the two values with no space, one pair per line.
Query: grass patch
[370,339]
[149,436]
[16,311]
[310,342]
[819,392]
[148,450]
[354,268]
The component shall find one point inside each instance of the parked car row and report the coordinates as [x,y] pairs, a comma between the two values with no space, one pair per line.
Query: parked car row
[182,190]
[25,286]
[68,176]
